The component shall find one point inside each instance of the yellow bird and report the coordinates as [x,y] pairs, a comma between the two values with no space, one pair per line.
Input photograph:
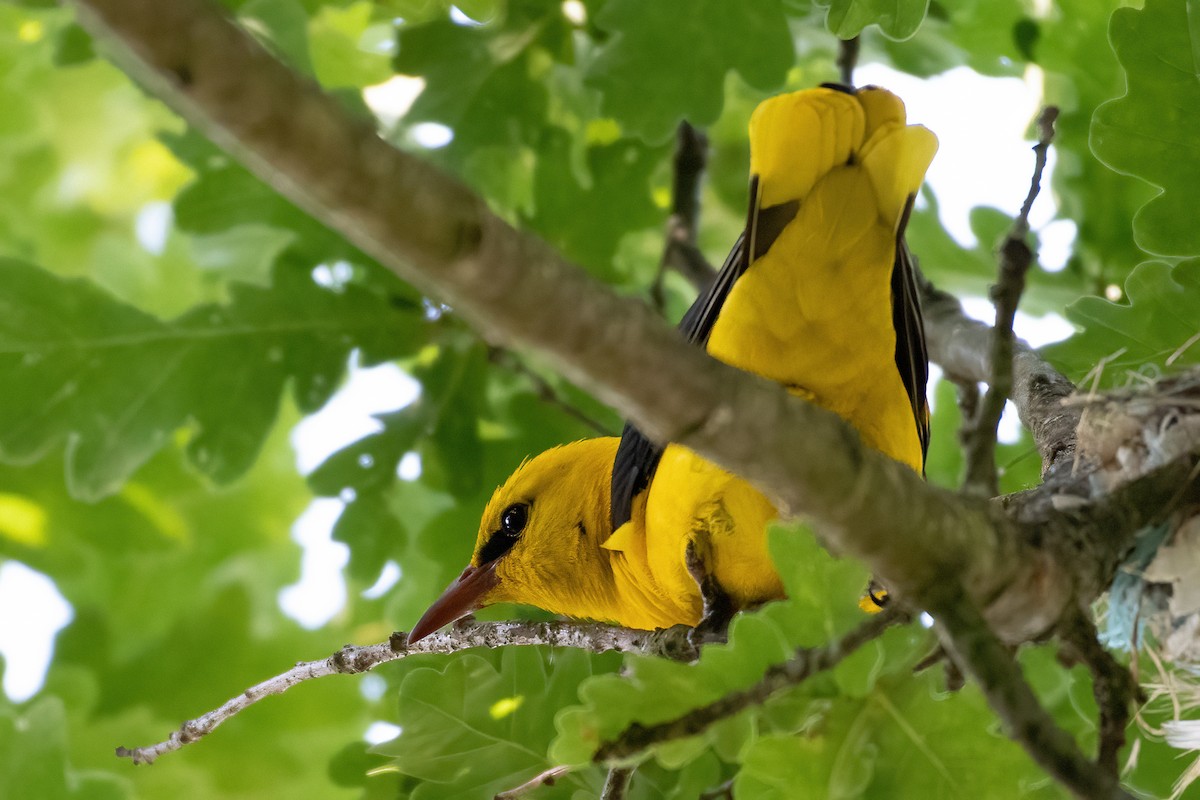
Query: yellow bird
[819,295]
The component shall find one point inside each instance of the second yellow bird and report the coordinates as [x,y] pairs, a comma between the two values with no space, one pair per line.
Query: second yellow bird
[819,295]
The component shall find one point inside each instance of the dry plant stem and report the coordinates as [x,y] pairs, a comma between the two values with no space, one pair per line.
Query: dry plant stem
[1015,260]
[616,785]
[985,658]
[351,660]
[545,392]
[680,252]
[805,663]
[847,59]
[547,778]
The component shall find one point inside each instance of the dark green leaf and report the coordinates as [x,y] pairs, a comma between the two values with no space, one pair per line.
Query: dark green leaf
[75,46]
[587,221]
[667,61]
[283,26]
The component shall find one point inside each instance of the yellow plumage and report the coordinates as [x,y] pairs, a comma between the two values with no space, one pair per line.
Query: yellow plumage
[814,297]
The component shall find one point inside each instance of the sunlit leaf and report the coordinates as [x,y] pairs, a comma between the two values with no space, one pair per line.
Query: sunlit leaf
[1155,330]
[1149,131]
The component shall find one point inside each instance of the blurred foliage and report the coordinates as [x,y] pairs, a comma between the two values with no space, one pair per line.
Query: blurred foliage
[167,319]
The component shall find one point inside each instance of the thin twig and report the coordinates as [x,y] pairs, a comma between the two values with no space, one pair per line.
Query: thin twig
[1015,259]
[616,785]
[960,345]
[1112,684]
[847,59]
[982,655]
[545,392]
[546,778]
[680,252]
[351,660]
[803,664]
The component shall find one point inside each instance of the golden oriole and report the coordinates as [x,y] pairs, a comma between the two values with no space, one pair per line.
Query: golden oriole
[818,294]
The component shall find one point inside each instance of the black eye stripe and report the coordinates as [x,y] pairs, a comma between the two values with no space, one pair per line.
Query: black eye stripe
[497,545]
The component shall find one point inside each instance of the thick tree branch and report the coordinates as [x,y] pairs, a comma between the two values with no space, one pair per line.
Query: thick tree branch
[351,660]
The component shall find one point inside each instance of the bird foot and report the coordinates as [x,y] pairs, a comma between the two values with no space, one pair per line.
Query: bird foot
[718,607]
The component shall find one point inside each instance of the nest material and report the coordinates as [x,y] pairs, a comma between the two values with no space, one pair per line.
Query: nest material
[1126,434]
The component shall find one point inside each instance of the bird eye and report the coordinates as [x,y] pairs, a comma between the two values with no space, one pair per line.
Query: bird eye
[514,518]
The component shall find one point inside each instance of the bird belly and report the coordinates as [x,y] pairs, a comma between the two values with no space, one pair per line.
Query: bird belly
[693,500]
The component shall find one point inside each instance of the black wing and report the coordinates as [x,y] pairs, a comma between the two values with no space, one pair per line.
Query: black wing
[912,359]
[637,456]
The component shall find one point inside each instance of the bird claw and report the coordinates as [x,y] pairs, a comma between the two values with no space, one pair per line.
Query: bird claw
[718,605]
[710,630]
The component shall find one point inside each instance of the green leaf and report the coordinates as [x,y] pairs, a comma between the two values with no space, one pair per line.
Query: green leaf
[452,398]
[776,766]
[667,61]
[225,196]
[1156,330]
[113,383]
[586,217]
[74,46]
[898,19]
[425,10]
[475,727]
[1098,200]
[1150,132]
[283,26]
[339,57]
[900,740]
[33,760]
[479,81]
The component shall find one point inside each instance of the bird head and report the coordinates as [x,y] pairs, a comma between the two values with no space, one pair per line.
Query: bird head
[539,539]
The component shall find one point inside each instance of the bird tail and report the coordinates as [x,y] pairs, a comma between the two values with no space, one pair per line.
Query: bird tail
[796,139]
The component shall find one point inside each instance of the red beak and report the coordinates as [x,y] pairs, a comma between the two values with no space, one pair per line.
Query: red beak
[460,598]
